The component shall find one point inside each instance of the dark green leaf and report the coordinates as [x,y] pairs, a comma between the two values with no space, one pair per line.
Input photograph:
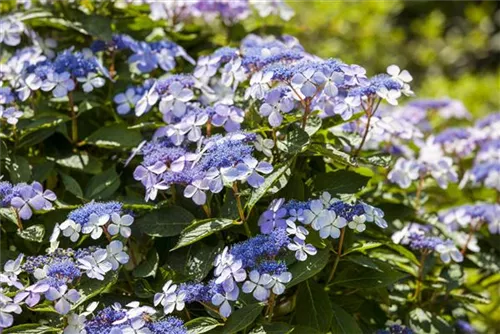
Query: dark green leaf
[115,136]
[82,162]
[314,308]
[340,182]
[149,266]
[35,137]
[103,185]
[98,26]
[89,287]
[202,229]
[303,270]
[200,260]
[273,183]
[272,328]
[19,169]
[71,185]
[343,322]
[360,277]
[8,214]
[242,318]
[165,222]
[202,325]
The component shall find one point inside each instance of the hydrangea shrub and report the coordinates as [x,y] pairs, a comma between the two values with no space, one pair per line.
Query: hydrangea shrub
[159,176]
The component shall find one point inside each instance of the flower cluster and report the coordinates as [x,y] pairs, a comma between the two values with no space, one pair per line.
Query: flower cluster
[230,12]
[252,266]
[145,56]
[26,198]
[133,318]
[326,215]
[420,238]
[55,275]
[95,219]
[218,161]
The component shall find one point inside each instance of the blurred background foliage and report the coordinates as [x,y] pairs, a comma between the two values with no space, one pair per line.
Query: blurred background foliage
[452,48]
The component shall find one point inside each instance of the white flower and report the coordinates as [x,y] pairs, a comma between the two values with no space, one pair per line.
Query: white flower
[331,227]
[196,191]
[120,225]
[94,225]
[116,255]
[401,76]
[96,265]
[176,100]
[169,299]
[257,284]
[278,282]
[64,298]
[390,95]
[317,214]
[76,324]
[358,223]
[449,251]
[91,81]
[222,300]
[375,215]
[71,229]
[301,249]
[264,145]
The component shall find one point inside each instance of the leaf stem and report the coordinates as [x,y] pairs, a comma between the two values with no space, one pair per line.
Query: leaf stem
[74,123]
[420,277]
[241,211]
[337,258]
[270,307]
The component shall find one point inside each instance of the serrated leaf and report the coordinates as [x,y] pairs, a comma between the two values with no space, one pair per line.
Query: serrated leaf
[202,325]
[103,185]
[272,328]
[295,141]
[343,322]
[9,214]
[201,229]
[425,322]
[165,222]
[149,266]
[271,180]
[362,247]
[304,270]
[360,277]
[19,169]
[30,329]
[71,185]
[115,136]
[82,162]
[242,318]
[314,308]
[340,182]
[34,233]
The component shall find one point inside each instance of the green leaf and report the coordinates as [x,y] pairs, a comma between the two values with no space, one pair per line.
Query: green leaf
[4,151]
[9,214]
[272,328]
[19,169]
[332,153]
[380,159]
[313,307]
[425,322]
[200,260]
[42,171]
[165,222]
[30,329]
[115,136]
[149,266]
[273,183]
[343,322]
[89,288]
[33,233]
[103,185]
[296,139]
[361,277]
[82,162]
[71,185]
[202,325]
[304,330]
[304,270]
[98,26]
[363,247]
[201,229]
[242,318]
[35,137]
[340,182]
